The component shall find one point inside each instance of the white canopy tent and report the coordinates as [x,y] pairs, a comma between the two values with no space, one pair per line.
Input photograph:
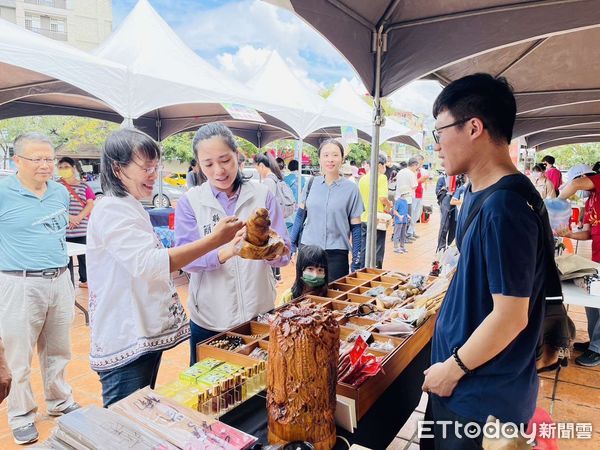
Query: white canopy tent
[290,100]
[170,82]
[42,71]
[345,97]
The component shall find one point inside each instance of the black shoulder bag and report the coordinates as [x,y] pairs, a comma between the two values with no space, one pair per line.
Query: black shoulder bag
[303,212]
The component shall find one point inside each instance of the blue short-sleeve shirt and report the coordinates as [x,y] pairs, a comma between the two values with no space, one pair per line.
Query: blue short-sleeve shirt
[329,209]
[32,229]
[501,253]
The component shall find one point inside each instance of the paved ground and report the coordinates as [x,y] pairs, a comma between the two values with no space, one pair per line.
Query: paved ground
[578,397]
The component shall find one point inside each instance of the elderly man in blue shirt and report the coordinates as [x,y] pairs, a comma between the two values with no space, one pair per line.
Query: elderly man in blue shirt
[38,296]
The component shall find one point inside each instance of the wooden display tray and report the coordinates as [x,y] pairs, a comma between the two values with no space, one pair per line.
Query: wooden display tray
[342,293]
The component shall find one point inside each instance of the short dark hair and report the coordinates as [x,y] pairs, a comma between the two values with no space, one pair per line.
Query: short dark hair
[331,141]
[485,97]
[549,159]
[119,149]
[596,167]
[310,255]
[217,129]
[382,158]
[539,168]
[352,162]
[66,159]
[413,162]
[293,165]
[70,161]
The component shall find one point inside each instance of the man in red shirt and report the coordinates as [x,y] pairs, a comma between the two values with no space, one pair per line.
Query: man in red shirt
[582,178]
[552,173]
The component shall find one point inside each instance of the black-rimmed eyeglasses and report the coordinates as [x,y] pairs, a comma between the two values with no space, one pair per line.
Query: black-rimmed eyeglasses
[436,131]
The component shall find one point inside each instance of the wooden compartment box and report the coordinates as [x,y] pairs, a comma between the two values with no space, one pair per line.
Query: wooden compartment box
[252,328]
[207,351]
[263,343]
[365,276]
[392,280]
[351,281]
[372,271]
[356,298]
[333,293]
[393,363]
[342,287]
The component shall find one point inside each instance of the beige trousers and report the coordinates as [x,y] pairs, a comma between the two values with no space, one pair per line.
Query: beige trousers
[36,311]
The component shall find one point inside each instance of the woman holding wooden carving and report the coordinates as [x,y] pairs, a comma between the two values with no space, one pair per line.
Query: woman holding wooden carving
[226,289]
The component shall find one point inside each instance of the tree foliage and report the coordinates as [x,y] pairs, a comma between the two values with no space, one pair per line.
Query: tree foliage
[66,132]
[568,155]
[178,147]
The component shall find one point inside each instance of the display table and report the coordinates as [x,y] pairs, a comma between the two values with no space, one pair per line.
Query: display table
[574,295]
[378,427]
[159,217]
[73,250]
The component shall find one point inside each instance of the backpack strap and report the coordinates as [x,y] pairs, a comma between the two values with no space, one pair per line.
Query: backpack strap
[310,182]
[553,288]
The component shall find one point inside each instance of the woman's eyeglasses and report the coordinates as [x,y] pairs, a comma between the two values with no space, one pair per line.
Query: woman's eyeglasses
[149,170]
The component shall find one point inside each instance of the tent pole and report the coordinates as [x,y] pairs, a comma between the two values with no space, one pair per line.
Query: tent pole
[371,243]
[160,172]
[299,145]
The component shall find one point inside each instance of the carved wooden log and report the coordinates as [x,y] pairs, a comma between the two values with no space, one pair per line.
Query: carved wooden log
[302,375]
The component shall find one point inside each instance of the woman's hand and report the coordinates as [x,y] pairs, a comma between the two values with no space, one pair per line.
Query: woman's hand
[275,254]
[74,221]
[563,232]
[226,230]
[233,249]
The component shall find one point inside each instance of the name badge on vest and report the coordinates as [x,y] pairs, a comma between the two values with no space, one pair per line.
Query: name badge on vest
[207,229]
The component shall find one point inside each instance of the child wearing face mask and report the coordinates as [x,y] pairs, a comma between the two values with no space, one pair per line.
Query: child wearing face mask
[311,274]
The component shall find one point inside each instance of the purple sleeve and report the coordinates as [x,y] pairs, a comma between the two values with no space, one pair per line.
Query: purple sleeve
[278,224]
[89,194]
[186,231]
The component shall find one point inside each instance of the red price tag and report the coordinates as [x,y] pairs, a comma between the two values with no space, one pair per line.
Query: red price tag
[357,351]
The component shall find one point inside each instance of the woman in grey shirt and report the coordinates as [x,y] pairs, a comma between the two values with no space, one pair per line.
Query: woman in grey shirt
[332,210]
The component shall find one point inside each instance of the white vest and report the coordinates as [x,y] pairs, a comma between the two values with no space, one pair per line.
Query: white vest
[241,288]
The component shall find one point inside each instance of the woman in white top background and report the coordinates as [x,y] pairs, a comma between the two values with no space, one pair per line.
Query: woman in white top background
[134,308]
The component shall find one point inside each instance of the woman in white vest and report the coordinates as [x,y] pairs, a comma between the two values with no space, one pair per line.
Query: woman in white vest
[134,308]
[225,290]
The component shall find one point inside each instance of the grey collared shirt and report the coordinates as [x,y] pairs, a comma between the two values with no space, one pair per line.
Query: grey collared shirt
[329,211]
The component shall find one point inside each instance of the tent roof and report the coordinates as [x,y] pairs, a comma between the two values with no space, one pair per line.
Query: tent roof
[346,98]
[32,65]
[290,99]
[555,80]
[153,53]
[423,37]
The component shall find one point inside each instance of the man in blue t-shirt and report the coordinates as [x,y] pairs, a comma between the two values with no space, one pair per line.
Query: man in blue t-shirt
[483,350]
[37,293]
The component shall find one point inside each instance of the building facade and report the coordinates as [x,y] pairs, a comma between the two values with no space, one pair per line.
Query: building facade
[81,23]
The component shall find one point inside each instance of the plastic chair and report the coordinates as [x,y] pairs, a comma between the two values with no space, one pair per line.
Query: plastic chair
[543,441]
[568,243]
[574,216]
